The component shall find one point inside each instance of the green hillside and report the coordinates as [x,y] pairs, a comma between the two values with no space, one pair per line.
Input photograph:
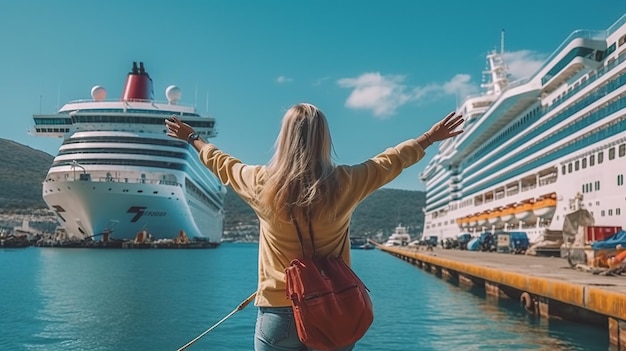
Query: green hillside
[21,175]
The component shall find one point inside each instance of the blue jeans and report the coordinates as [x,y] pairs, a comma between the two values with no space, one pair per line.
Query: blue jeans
[276,331]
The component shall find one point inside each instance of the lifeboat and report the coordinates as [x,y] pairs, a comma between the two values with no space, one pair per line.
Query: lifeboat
[462,222]
[494,217]
[524,212]
[483,219]
[507,215]
[465,223]
[473,221]
[545,207]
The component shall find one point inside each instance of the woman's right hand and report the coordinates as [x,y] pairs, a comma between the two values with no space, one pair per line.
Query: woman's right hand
[445,128]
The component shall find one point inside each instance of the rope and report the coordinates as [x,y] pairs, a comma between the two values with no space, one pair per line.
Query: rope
[239,308]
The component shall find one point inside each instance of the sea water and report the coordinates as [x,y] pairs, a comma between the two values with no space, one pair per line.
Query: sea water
[158,299]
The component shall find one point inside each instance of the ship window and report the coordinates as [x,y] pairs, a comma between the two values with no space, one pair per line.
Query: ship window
[584,162]
[620,179]
[610,212]
[563,169]
[618,211]
[597,185]
[576,165]
[569,168]
[600,157]
[602,213]
[611,153]
[622,150]
[592,160]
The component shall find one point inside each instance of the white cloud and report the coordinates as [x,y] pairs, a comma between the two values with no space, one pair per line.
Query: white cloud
[384,94]
[283,80]
[460,85]
[523,63]
[373,91]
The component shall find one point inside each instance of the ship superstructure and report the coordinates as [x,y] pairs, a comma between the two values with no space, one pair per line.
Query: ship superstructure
[534,147]
[117,174]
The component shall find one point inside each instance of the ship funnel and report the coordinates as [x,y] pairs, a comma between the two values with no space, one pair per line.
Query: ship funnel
[138,85]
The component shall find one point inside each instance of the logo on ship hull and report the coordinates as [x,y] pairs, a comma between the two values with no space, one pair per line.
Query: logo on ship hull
[140,211]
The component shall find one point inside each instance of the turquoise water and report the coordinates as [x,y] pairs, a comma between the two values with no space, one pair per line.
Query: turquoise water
[98,299]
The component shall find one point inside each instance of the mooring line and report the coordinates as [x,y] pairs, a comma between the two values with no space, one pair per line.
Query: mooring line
[239,308]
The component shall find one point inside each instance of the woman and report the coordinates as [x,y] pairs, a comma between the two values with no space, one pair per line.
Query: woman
[301,186]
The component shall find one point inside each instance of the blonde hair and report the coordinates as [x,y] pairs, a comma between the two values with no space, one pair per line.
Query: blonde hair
[300,174]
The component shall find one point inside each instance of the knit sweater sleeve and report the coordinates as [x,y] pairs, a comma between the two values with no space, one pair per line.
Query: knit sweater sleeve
[372,174]
[230,170]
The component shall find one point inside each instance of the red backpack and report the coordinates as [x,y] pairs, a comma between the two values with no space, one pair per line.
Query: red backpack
[331,305]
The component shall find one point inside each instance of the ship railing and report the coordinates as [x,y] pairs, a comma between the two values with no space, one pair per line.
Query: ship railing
[592,77]
[161,102]
[547,181]
[512,192]
[620,22]
[111,179]
[579,34]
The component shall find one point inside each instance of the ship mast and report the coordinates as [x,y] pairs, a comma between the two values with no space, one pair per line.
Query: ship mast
[496,77]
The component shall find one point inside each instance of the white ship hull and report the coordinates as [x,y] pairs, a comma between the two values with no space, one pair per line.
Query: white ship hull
[91,208]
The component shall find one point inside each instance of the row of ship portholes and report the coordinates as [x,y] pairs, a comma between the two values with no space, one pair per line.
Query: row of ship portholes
[528,211]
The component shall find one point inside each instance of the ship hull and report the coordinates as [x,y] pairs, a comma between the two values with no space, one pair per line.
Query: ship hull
[88,209]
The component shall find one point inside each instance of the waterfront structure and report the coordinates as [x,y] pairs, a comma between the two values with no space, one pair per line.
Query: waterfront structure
[117,173]
[550,291]
[535,148]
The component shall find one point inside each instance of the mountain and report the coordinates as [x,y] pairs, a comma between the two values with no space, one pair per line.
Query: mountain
[24,169]
[21,175]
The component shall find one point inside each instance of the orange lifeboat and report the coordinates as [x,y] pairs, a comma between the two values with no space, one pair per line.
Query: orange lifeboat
[494,217]
[473,221]
[483,219]
[524,211]
[462,222]
[545,206]
[508,215]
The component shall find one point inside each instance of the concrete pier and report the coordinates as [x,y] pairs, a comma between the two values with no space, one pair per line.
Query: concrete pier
[545,286]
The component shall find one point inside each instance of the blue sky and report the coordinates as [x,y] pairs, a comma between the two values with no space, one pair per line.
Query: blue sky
[382,71]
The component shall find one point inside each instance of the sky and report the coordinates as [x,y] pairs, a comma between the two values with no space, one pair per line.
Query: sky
[381,71]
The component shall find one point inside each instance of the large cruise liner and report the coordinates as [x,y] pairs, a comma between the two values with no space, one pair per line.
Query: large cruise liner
[117,174]
[535,149]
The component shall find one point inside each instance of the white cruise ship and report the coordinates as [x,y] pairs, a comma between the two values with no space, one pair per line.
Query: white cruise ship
[534,149]
[117,174]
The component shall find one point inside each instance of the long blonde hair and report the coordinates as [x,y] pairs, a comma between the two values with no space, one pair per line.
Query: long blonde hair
[300,174]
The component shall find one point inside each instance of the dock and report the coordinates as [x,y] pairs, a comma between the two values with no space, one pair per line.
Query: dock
[546,286]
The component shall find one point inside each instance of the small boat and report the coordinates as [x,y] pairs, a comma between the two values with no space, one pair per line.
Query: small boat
[360,243]
[400,237]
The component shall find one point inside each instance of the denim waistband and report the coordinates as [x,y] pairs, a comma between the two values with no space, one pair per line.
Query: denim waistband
[276,309]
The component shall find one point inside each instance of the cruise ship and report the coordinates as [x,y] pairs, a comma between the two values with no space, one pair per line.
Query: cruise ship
[536,149]
[117,174]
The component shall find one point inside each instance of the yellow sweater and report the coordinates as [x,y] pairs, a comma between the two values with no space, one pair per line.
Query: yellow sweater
[278,240]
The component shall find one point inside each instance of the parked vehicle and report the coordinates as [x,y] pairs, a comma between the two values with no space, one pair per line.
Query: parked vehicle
[463,239]
[486,242]
[514,242]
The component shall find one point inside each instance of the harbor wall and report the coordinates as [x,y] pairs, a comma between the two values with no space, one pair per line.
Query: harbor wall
[547,293]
